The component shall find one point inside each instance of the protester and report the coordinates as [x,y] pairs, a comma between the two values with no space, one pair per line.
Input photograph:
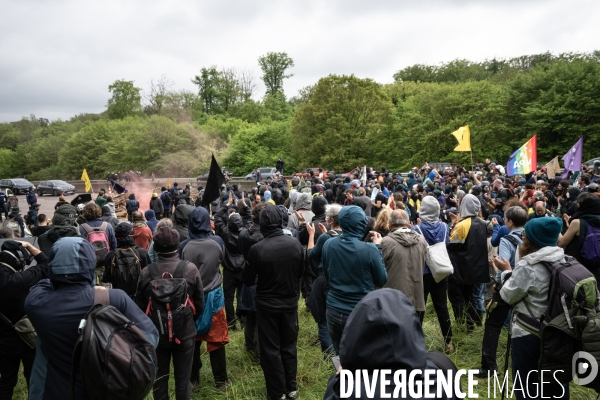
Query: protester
[16,279]
[166,245]
[108,217]
[206,252]
[42,226]
[468,253]
[278,274]
[157,206]
[384,332]
[404,254]
[56,307]
[151,220]
[527,290]
[434,232]
[180,220]
[352,268]
[131,205]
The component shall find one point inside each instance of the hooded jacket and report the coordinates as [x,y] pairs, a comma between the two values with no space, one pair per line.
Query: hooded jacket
[132,204]
[430,227]
[14,288]
[233,259]
[278,262]
[352,268]
[56,306]
[180,219]
[203,249]
[404,254]
[383,332]
[108,217]
[151,220]
[303,205]
[248,237]
[468,245]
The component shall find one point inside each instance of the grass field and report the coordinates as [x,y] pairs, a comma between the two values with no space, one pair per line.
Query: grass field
[248,381]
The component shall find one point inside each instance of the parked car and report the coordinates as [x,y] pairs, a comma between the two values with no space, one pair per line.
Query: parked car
[267,173]
[11,199]
[16,185]
[204,177]
[55,188]
[591,162]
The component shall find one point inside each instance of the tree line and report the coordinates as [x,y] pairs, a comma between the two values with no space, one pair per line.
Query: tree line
[336,123]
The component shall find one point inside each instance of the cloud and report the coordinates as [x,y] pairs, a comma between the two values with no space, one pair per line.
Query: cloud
[59,57]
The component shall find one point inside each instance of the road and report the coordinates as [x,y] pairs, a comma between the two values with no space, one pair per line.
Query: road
[47,202]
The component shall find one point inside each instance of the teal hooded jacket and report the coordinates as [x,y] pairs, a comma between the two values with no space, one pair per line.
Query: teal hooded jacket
[352,267]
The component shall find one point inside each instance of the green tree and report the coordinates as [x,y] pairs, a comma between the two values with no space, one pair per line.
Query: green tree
[274,66]
[126,100]
[208,88]
[9,163]
[334,129]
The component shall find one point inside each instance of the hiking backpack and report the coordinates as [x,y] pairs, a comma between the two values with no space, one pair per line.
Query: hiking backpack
[590,249]
[125,270]
[168,302]
[99,240]
[115,359]
[570,323]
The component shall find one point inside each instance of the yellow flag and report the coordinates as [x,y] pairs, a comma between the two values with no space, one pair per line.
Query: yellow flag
[463,135]
[86,180]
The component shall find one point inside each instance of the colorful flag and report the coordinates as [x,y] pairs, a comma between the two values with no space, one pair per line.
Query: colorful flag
[213,183]
[463,135]
[86,180]
[524,160]
[552,168]
[573,158]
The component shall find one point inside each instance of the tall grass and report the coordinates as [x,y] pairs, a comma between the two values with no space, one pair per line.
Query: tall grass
[248,382]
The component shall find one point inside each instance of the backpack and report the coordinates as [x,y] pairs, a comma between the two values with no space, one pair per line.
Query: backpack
[571,314]
[168,302]
[515,242]
[99,239]
[125,270]
[168,198]
[115,359]
[437,258]
[590,250]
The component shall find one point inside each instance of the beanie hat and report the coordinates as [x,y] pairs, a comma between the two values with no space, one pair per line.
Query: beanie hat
[543,232]
[123,229]
[64,216]
[166,240]
[476,190]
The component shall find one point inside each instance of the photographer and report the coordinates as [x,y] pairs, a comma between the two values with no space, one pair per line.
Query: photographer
[15,282]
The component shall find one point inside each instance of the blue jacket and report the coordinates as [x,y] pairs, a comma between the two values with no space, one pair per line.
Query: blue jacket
[56,306]
[498,233]
[151,220]
[166,203]
[31,198]
[433,233]
[110,232]
[353,268]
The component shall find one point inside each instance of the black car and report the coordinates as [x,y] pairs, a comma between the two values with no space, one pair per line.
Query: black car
[17,185]
[55,188]
[226,173]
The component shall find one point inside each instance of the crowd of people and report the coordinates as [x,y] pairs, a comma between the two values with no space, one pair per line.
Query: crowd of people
[355,249]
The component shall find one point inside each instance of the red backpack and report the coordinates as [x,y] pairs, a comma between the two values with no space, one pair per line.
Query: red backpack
[99,239]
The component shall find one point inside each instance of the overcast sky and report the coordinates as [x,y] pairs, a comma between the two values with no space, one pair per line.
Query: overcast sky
[57,58]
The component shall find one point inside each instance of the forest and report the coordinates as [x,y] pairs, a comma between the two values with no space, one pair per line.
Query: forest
[337,123]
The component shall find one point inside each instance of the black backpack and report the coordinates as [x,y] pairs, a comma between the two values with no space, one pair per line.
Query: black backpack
[168,302]
[115,359]
[125,270]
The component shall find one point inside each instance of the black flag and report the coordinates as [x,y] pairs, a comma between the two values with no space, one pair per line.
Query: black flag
[213,183]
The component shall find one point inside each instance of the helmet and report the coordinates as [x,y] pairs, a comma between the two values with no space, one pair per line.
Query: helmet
[80,207]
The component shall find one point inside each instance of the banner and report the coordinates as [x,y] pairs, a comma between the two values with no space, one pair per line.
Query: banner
[86,180]
[116,187]
[213,183]
[463,135]
[552,168]
[524,160]
[573,158]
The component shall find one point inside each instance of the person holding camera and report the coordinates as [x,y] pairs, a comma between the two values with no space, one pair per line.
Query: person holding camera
[15,281]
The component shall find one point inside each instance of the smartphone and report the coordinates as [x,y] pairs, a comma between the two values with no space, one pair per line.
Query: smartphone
[336,362]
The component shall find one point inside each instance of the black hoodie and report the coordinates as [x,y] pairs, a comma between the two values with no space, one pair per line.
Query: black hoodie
[233,259]
[382,332]
[278,261]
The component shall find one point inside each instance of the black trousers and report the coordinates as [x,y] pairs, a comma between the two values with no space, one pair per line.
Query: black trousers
[251,333]
[10,360]
[439,298]
[278,336]
[232,288]
[182,366]
[463,304]
[218,364]
[493,326]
